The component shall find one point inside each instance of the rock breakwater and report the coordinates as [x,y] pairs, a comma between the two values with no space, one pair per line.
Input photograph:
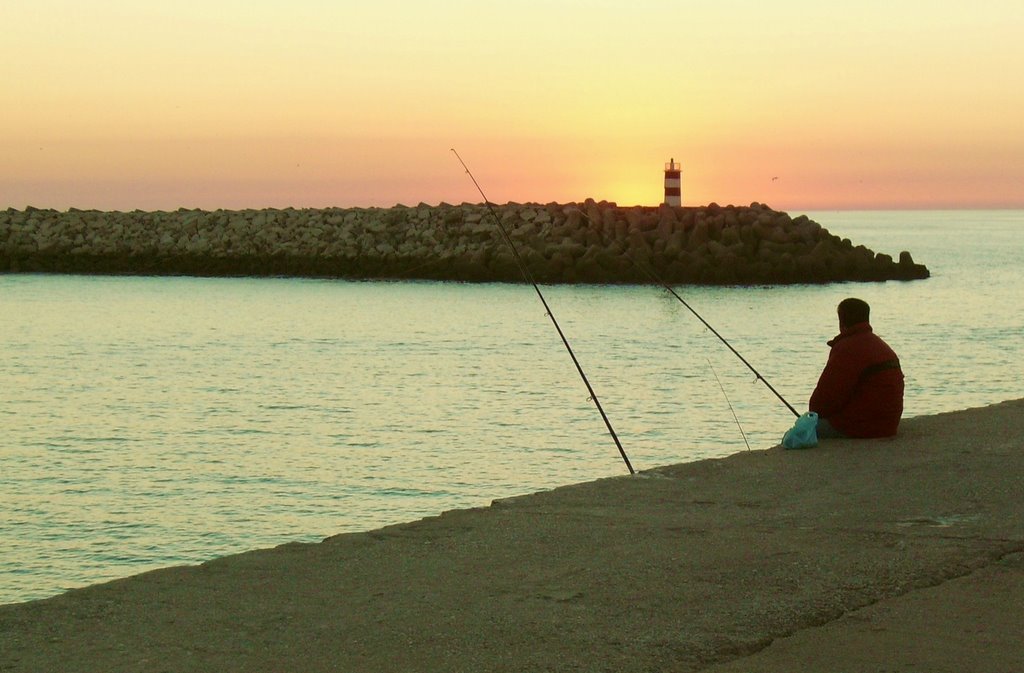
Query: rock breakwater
[589,242]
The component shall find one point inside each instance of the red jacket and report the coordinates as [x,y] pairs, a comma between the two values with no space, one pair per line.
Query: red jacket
[860,391]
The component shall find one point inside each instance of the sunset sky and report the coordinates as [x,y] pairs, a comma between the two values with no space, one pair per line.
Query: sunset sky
[131,104]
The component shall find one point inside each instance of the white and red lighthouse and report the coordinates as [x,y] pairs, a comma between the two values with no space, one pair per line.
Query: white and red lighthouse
[673,184]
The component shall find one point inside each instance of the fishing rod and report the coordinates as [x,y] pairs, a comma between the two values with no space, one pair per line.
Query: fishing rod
[650,274]
[529,278]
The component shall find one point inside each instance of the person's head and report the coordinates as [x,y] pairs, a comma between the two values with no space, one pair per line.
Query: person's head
[852,311]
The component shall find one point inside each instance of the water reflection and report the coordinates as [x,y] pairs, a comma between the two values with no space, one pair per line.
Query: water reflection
[150,421]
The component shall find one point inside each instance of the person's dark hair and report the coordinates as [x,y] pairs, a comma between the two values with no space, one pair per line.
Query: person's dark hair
[853,311]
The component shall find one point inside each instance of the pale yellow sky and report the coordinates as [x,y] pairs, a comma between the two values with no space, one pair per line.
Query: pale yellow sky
[118,104]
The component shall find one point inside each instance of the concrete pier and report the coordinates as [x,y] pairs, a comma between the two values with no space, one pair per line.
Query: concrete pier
[857,555]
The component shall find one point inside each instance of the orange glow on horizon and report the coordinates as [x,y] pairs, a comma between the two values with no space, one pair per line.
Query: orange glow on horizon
[322,104]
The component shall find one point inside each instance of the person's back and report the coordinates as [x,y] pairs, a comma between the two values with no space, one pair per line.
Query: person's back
[860,391]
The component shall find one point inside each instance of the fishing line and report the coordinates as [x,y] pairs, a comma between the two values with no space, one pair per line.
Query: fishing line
[529,278]
[729,402]
[650,274]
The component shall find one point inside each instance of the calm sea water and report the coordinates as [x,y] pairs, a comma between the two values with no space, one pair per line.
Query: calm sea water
[147,422]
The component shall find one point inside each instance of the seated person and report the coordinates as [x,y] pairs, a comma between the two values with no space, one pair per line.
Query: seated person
[860,391]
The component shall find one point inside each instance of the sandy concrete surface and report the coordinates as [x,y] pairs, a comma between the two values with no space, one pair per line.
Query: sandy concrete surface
[882,555]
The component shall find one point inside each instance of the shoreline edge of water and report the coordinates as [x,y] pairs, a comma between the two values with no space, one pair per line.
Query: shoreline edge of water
[740,563]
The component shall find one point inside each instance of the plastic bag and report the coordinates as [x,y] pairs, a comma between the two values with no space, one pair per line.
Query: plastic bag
[803,434]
